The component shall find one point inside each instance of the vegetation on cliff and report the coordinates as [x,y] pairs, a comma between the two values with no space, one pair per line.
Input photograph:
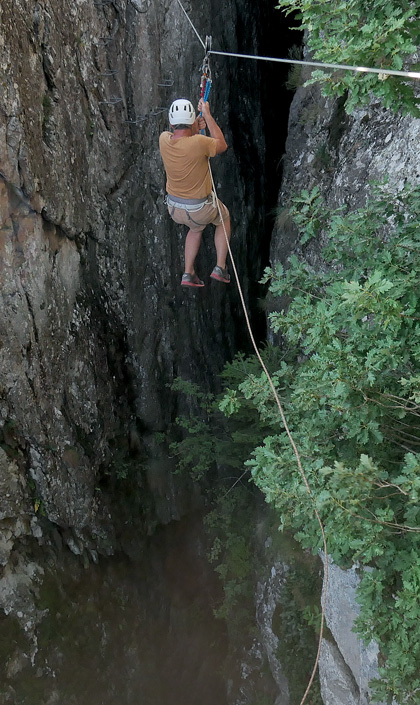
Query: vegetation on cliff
[349,384]
[347,372]
[369,33]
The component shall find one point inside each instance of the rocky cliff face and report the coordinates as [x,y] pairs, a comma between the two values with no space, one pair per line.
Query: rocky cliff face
[347,665]
[93,323]
[342,155]
[94,327]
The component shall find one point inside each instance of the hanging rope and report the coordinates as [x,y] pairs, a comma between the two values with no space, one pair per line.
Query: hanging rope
[194,29]
[207,91]
[292,443]
[280,408]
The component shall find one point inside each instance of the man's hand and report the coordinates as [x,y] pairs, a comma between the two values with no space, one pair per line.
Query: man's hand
[198,125]
[204,107]
[212,126]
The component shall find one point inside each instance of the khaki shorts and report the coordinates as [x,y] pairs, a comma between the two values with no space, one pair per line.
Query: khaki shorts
[197,220]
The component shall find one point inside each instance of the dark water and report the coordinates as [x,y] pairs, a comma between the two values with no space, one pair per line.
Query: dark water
[130,632]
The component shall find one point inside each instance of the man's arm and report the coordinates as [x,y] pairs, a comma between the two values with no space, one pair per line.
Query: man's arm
[213,127]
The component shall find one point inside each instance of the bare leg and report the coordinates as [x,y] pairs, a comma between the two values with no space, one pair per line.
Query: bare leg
[192,245]
[220,242]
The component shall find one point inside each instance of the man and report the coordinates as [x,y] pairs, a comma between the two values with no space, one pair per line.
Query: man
[185,153]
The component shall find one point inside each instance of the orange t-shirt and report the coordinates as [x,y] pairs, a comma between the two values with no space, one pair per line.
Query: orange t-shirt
[186,164]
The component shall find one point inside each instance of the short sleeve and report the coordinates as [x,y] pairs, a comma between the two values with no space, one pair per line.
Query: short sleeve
[212,147]
[207,144]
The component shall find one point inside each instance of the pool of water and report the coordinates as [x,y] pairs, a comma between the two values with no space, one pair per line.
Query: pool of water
[137,631]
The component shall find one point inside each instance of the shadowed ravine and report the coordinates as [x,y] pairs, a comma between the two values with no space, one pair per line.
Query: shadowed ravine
[137,630]
[107,592]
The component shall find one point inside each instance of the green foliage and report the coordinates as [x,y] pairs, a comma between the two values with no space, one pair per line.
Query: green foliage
[231,531]
[294,78]
[309,213]
[196,451]
[295,623]
[121,465]
[209,440]
[239,561]
[235,520]
[323,158]
[348,378]
[349,385]
[371,33]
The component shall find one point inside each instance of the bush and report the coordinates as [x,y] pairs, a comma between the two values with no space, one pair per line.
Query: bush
[371,33]
[349,384]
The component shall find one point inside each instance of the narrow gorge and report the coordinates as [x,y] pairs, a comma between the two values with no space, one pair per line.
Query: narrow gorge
[108,588]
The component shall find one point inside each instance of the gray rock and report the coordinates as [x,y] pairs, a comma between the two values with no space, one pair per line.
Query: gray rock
[338,686]
[267,597]
[93,323]
[342,154]
[348,665]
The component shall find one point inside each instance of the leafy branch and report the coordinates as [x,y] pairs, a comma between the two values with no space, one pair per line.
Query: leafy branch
[369,33]
[350,384]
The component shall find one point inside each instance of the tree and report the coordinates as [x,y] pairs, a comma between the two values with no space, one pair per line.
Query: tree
[372,33]
[349,384]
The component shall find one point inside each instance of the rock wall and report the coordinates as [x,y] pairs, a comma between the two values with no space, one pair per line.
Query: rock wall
[347,665]
[342,154]
[93,323]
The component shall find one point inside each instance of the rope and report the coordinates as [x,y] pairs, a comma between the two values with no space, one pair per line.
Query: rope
[321,64]
[316,64]
[205,92]
[292,443]
[282,415]
[199,38]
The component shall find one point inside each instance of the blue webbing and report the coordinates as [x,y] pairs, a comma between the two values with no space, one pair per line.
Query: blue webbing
[205,98]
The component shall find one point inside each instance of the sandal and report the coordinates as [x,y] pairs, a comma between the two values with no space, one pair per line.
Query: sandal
[220,274]
[191,280]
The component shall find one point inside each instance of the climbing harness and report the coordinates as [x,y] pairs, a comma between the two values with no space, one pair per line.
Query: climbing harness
[192,205]
[205,85]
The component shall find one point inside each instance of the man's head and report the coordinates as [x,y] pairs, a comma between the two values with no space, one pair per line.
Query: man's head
[181,114]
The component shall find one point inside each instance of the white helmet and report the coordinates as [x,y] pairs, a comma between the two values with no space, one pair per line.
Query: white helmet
[181,112]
